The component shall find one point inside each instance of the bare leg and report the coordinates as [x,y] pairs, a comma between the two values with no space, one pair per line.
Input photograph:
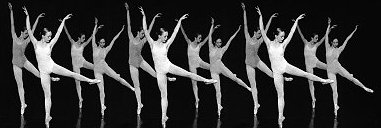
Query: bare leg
[217,86]
[193,69]
[135,79]
[343,72]
[101,88]
[17,71]
[45,82]
[321,65]
[204,65]
[251,76]
[311,86]
[226,72]
[57,69]
[181,72]
[335,94]
[146,67]
[78,86]
[278,81]
[263,67]
[117,77]
[296,71]
[162,82]
[88,65]
[29,66]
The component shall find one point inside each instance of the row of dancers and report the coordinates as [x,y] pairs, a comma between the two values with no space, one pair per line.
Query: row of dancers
[163,65]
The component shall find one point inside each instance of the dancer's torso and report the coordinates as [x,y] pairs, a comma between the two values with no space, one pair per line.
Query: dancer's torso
[18,52]
[310,56]
[215,55]
[43,52]
[332,56]
[76,55]
[276,55]
[159,56]
[193,55]
[252,57]
[135,49]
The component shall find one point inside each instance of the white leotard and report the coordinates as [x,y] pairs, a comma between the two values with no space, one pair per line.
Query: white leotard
[310,56]
[159,56]
[45,62]
[193,56]
[76,55]
[276,55]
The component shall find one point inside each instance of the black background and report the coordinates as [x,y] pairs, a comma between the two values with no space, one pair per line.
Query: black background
[357,108]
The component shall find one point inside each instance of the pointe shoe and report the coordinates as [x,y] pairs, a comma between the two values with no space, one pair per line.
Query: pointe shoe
[80,103]
[94,81]
[368,89]
[211,81]
[103,108]
[328,81]
[219,110]
[313,103]
[171,78]
[55,79]
[132,89]
[336,108]
[23,106]
[140,106]
[256,109]
[196,103]
[164,119]
[288,78]
[249,89]
[47,120]
[280,121]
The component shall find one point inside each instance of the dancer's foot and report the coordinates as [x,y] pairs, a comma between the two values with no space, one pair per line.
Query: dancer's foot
[196,103]
[313,103]
[164,119]
[55,78]
[280,121]
[368,89]
[210,81]
[80,103]
[140,106]
[256,108]
[23,106]
[219,107]
[336,108]
[288,78]
[94,81]
[132,89]
[103,108]
[328,81]
[171,78]
[248,88]
[47,120]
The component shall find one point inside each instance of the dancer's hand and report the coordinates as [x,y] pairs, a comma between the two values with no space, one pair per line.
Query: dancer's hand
[141,10]
[368,89]
[171,78]
[300,17]
[215,27]
[41,15]
[274,15]
[10,6]
[243,6]
[68,16]
[259,11]
[55,78]
[157,15]
[212,20]
[288,78]
[184,17]
[25,11]
[126,5]
[100,26]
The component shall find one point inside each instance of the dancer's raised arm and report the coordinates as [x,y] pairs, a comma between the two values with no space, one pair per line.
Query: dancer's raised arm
[174,33]
[130,35]
[212,27]
[13,32]
[341,48]
[36,22]
[327,33]
[146,33]
[30,33]
[261,27]
[68,35]
[320,42]
[270,20]
[96,27]
[245,29]
[291,33]
[54,40]
[185,35]
[301,35]
[153,22]
[204,41]
[108,48]
[230,40]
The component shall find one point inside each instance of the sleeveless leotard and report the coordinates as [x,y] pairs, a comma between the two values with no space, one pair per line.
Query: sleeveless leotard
[276,55]
[76,55]
[45,62]
[252,57]
[215,56]
[135,58]
[99,55]
[159,55]
[18,51]
[310,56]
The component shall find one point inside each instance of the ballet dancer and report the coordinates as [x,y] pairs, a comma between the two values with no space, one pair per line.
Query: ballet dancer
[216,52]
[19,59]
[194,59]
[334,67]
[136,60]
[101,67]
[159,50]
[46,65]
[78,60]
[252,60]
[279,65]
[311,60]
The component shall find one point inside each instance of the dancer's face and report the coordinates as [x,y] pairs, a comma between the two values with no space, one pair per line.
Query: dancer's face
[140,34]
[257,34]
[315,38]
[102,43]
[47,36]
[24,34]
[163,37]
[218,43]
[280,37]
[335,43]
[81,39]
[198,38]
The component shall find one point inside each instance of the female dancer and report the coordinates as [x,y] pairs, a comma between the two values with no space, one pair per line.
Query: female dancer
[19,59]
[159,49]
[217,67]
[194,59]
[46,65]
[334,67]
[101,67]
[252,59]
[136,60]
[78,60]
[279,65]
[311,60]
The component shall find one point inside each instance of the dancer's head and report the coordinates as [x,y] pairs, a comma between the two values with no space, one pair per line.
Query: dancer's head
[198,37]
[218,43]
[163,36]
[24,34]
[46,35]
[279,35]
[81,39]
[335,43]
[140,34]
[257,33]
[314,38]
[102,43]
